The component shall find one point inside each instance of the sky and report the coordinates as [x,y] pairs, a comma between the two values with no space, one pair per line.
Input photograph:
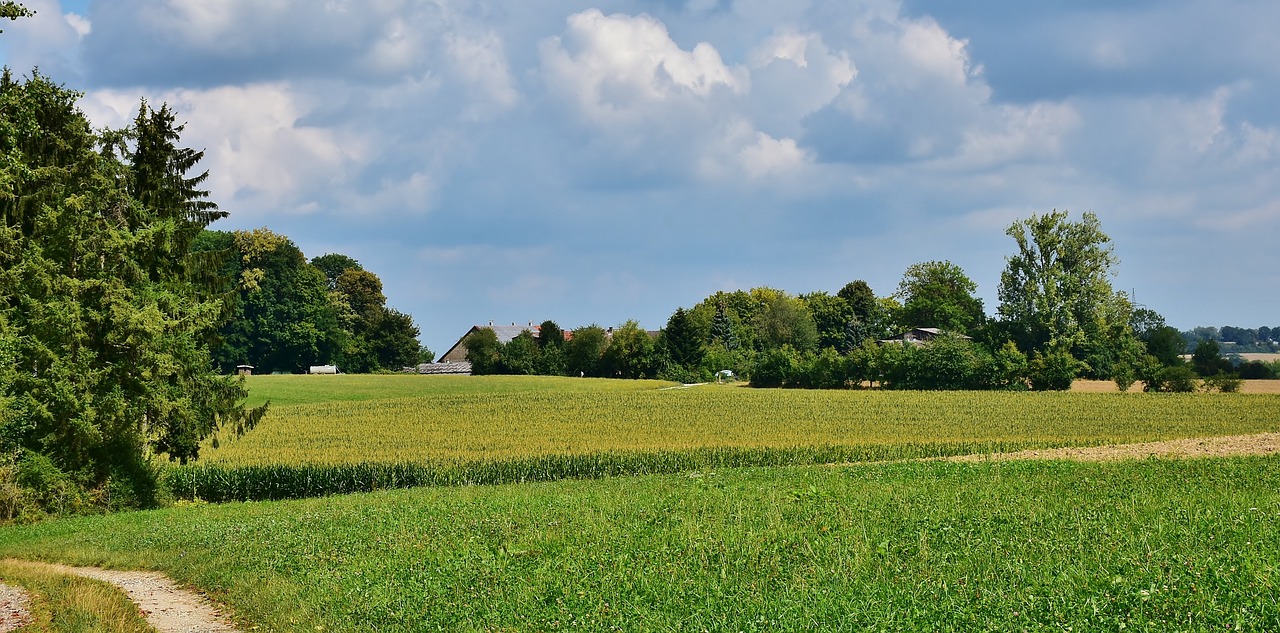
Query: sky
[598,161]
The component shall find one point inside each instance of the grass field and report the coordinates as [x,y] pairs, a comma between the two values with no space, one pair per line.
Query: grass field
[1191,545]
[1043,546]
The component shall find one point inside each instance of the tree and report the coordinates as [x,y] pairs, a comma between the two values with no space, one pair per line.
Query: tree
[630,353]
[831,316]
[783,320]
[939,294]
[283,319]
[550,335]
[482,351]
[584,351]
[394,339]
[333,265]
[861,299]
[103,326]
[1207,360]
[14,10]
[681,342]
[520,355]
[722,330]
[1055,292]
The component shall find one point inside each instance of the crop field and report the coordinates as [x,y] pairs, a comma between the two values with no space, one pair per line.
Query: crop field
[1189,545]
[389,419]
[752,516]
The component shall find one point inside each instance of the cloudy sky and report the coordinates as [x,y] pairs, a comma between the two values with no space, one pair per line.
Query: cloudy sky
[601,160]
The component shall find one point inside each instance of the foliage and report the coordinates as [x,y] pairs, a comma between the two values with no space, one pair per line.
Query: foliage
[103,309]
[1224,383]
[334,264]
[1055,289]
[1053,370]
[483,351]
[584,352]
[774,367]
[783,320]
[1207,359]
[284,319]
[519,356]
[939,294]
[1173,379]
[681,342]
[631,353]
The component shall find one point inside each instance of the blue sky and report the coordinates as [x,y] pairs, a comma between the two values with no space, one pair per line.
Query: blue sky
[593,162]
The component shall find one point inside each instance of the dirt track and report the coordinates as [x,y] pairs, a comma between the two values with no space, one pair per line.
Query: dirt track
[1259,444]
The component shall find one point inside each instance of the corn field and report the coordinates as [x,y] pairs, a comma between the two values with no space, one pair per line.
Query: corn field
[479,431]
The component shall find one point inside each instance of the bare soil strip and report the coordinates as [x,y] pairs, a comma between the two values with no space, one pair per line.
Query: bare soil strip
[1258,444]
[166,606]
[13,608]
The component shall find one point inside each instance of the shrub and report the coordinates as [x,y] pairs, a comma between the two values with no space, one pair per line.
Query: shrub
[774,368]
[1175,379]
[1225,383]
[1054,371]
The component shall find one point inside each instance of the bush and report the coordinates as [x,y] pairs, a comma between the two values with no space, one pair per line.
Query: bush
[1225,383]
[1256,370]
[1054,371]
[1175,379]
[774,368]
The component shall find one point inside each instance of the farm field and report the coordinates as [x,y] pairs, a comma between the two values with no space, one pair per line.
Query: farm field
[695,545]
[360,419]
[1191,545]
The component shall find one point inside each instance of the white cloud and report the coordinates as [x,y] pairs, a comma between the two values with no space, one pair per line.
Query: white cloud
[619,69]
[772,156]
[260,156]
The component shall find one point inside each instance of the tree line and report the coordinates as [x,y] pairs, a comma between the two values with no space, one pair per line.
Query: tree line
[1059,319]
[286,313]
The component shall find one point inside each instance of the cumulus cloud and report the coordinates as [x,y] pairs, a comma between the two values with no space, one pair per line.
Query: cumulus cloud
[259,156]
[621,69]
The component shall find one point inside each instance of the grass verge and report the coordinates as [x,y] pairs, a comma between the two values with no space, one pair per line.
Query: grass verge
[62,603]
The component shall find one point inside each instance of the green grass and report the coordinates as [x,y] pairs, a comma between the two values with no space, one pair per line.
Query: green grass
[1050,546]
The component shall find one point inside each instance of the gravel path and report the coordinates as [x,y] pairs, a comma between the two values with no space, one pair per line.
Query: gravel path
[13,608]
[166,606]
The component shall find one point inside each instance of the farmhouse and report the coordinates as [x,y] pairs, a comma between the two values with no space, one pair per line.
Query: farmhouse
[918,336]
[458,353]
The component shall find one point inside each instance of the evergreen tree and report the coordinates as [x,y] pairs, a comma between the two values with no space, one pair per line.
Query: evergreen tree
[98,309]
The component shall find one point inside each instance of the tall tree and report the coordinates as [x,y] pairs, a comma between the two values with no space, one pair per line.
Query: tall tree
[1056,283]
[98,310]
[630,353]
[939,294]
[585,350]
[681,342]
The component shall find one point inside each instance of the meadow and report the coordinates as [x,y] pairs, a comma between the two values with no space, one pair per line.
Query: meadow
[804,542]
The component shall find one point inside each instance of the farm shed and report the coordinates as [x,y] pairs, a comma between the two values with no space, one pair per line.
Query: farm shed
[244,370]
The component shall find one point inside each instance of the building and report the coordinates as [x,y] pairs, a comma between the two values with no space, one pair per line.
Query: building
[918,336]
[458,353]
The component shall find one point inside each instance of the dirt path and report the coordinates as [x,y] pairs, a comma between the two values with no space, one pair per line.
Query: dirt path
[166,606]
[13,608]
[1259,444]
